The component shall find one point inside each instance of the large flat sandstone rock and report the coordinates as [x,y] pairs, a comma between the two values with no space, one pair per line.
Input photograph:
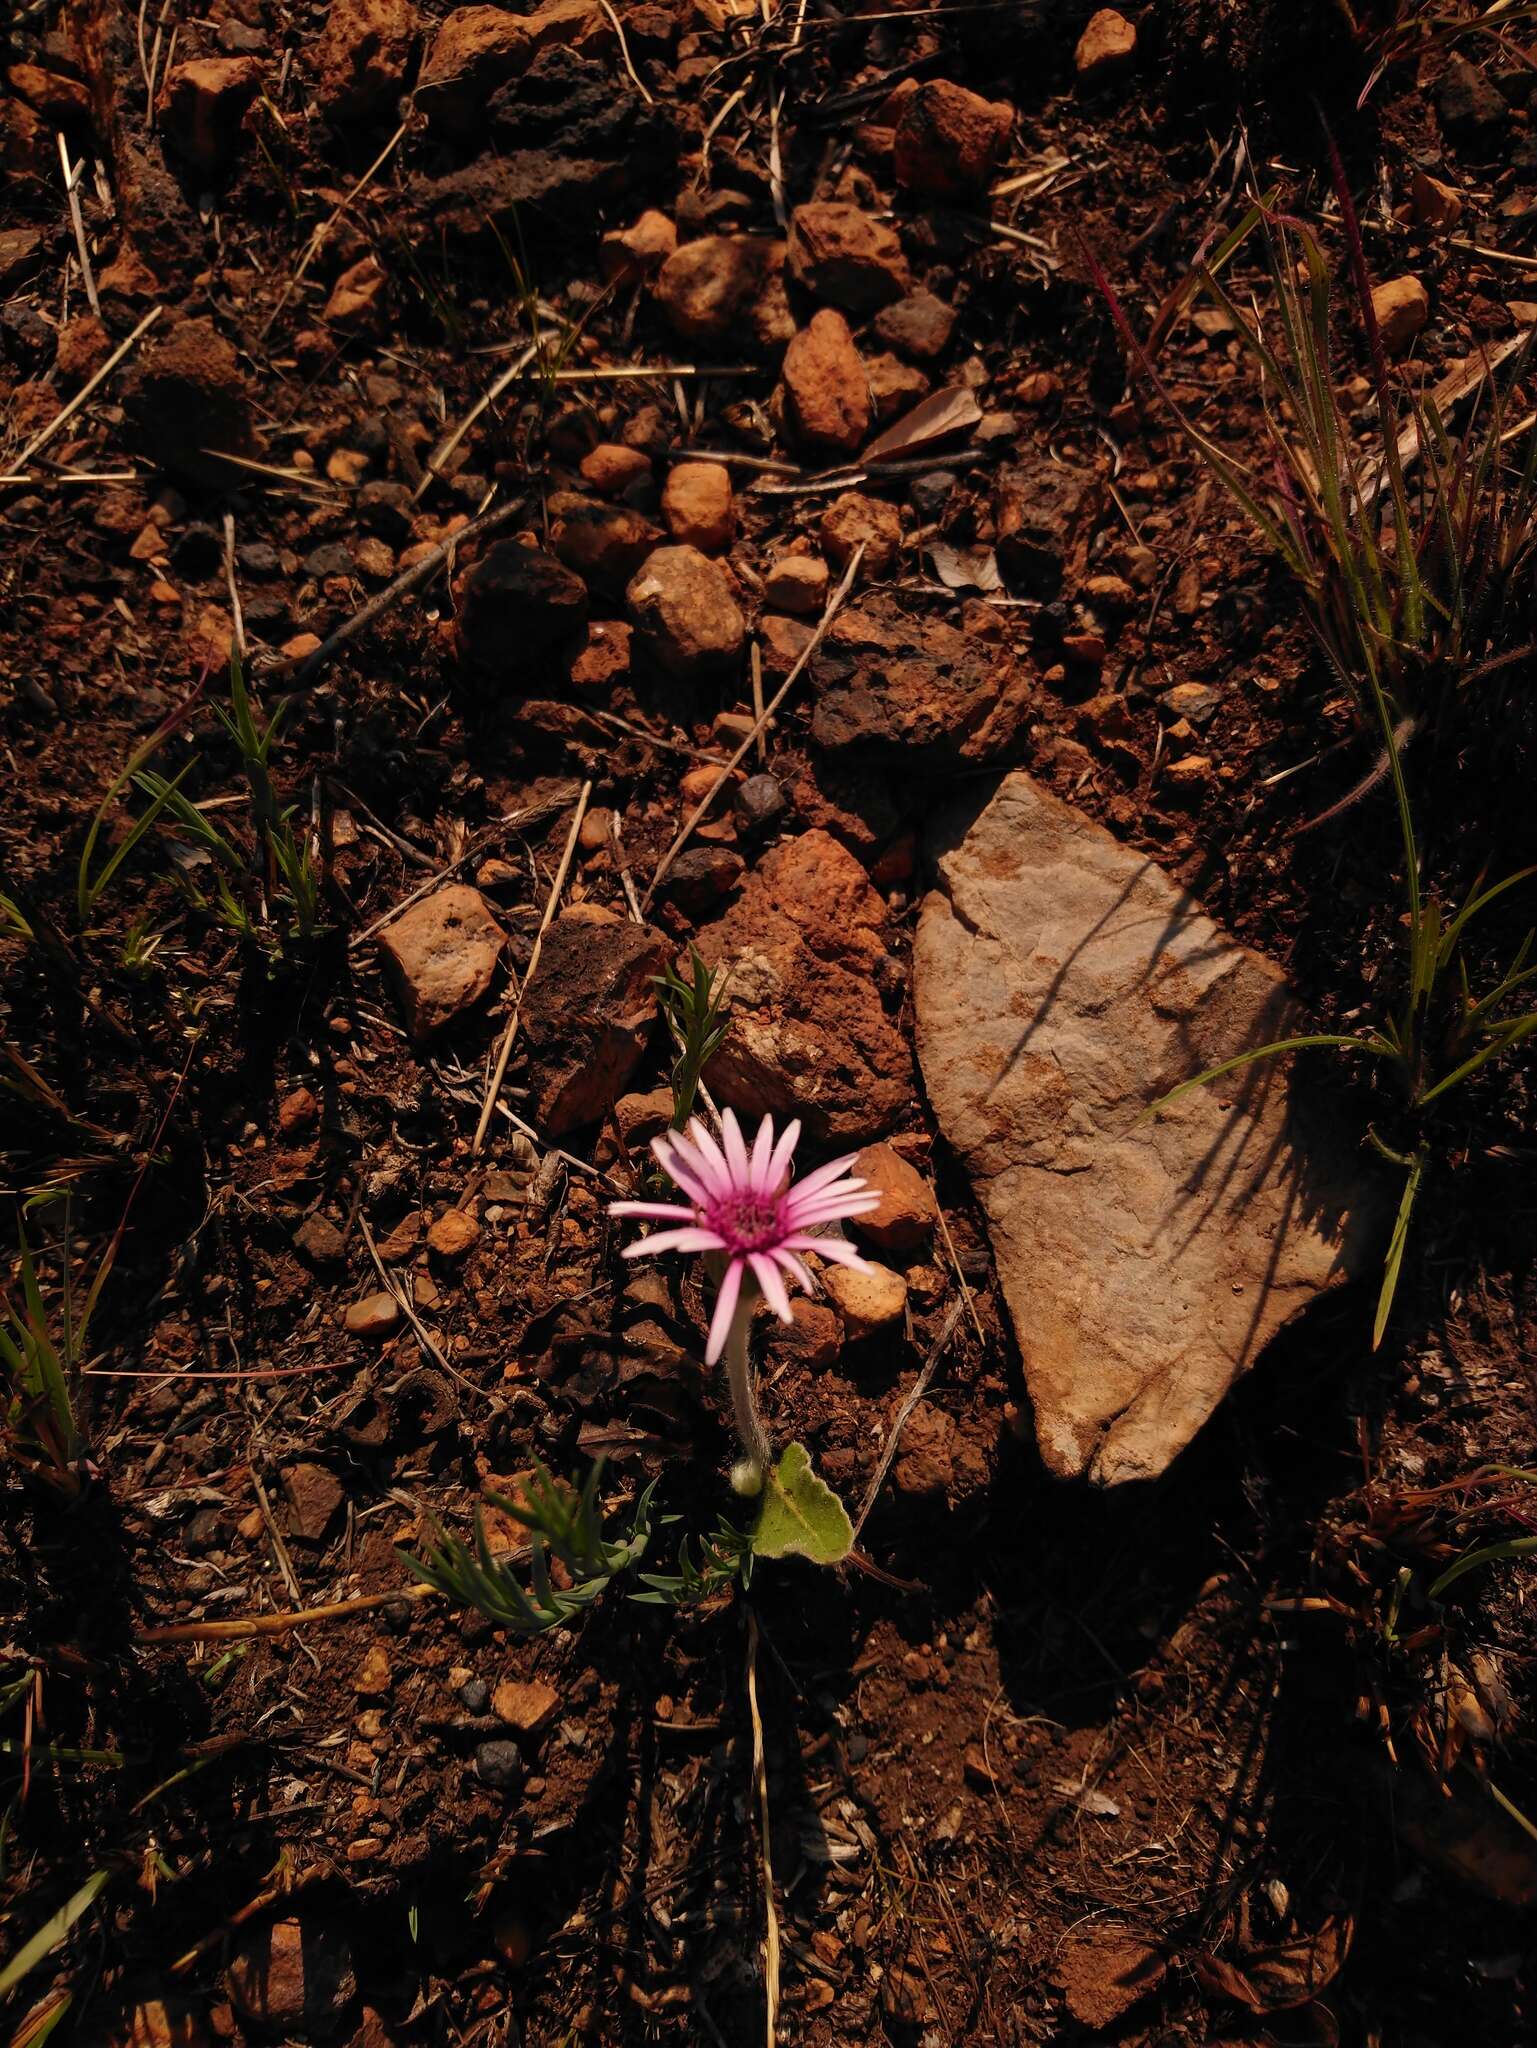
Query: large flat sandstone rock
[1062,983]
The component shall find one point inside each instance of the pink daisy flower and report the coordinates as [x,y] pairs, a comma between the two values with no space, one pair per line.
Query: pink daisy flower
[743,1204]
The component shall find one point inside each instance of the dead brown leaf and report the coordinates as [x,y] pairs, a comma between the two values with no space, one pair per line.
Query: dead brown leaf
[951,411]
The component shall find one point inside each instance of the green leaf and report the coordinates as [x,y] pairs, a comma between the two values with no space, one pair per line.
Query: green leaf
[52,1932]
[801,1515]
[1396,1243]
[1491,1553]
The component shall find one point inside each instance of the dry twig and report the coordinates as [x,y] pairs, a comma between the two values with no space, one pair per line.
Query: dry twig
[765,1853]
[41,440]
[504,1052]
[759,725]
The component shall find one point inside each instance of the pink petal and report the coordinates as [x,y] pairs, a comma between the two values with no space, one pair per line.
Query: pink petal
[796,1268]
[725,1309]
[837,1249]
[769,1278]
[691,1240]
[736,1150]
[779,1165]
[718,1173]
[679,1164]
[660,1211]
[823,1176]
[803,1216]
[763,1145]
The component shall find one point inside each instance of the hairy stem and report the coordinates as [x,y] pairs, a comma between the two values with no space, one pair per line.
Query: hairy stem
[744,1407]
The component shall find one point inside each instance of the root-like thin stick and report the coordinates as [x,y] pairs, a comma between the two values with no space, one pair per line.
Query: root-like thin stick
[504,1052]
[419,573]
[960,1278]
[72,189]
[317,239]
[236,614]
[757,703]
[433,468]
[424,1336]
[759,725]
[236,1630]
[920,1388]
[473,851]
[279,1547]
[41,440]
[624,52]
[765,1851]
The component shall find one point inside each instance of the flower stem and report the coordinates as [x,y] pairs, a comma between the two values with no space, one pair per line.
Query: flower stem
[744,1408]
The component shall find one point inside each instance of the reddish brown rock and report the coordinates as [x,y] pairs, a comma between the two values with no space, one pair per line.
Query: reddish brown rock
[291,1976]
[453,1234]
[185,396]
[362,55]
[611,469]
[911,687]
[202,104]
[685,609]
[526,1704]
[827,400]
[604,543]
[919,326]
[782,640]
[705,286]
[514,605]
[812,1338]
[604,660]
[1105,49]
[809,1034]
[83,346]
[442,955]
[1434,203]
[357,297]
[627,254]
[1402,307]
[949,141]
[64,102]
[895,387]
[1043,513]
[852,518]
[698,508]
[908,1211]
[315,1498]
[478,49]
[798,584]
[845,257]
[588,1015]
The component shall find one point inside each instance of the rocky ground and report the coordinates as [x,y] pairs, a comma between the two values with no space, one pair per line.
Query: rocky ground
[678,469]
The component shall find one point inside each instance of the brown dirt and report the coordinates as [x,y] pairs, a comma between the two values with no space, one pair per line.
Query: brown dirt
[1067,1766]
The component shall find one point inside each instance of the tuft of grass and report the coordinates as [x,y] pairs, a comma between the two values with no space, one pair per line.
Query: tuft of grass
[1416,562]
[41,1349]
[564,1523]
[1439,1035]
[695,1010]
[279,865]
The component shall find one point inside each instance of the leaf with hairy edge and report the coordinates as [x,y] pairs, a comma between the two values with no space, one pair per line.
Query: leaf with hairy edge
[801,1515]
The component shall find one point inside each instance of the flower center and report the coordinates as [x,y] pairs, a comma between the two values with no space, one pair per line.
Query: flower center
[751,1222]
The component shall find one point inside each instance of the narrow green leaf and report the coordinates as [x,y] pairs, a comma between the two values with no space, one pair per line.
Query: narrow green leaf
[1491,1553]
[52,1932]
[1396,1243]
[1373,1045]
